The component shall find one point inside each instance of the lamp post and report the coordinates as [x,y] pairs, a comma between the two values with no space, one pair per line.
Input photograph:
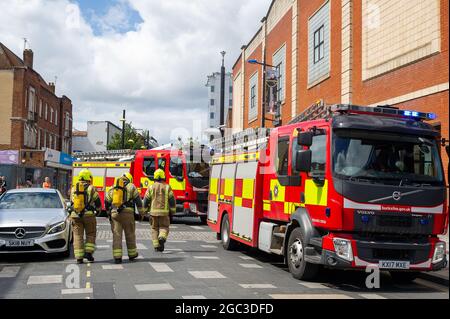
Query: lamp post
[222,89]
[123,130]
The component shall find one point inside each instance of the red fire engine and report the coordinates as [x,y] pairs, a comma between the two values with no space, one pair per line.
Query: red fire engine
[188,176]
[343,187]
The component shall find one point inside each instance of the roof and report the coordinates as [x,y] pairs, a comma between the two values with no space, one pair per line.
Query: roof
[8,59]
[32,190]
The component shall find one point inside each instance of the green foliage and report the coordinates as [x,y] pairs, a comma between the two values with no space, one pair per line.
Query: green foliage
[133,139]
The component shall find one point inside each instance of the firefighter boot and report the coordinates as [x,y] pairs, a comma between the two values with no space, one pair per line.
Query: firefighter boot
[118,260]
[80,261]
[89,257]
[134,257]
[162,241]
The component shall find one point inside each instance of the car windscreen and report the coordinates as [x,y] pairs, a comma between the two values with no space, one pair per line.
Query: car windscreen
[30,200]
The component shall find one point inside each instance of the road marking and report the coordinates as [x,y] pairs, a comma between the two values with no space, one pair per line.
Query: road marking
[313,285]
[173,249]
[212,241]
[112,267]
[246,257]
[103,224]
[43,280]
[173,227]
[194,297]
[257,286]
[253,266]
[178,241]
[9,271]
[88,285]
[198,227]
[206,257]
[138,257]
[207,274]
[74,291]
[140,246]
[372,296]
[88,274]
[153,287]
[161,267]
[103,246]
[209,246]
[310,296]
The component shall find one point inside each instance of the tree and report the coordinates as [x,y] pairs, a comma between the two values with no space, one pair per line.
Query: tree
[133,140]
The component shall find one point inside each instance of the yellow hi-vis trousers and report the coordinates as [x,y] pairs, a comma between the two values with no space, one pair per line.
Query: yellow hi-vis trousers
[80,225]
[160,228]
[123,222]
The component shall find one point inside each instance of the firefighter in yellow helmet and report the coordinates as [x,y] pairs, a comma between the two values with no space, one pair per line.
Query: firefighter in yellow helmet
[120,202]
[85,202]
[159,199]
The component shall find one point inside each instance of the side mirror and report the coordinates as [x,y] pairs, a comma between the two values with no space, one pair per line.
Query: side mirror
[305,138]
[303,161]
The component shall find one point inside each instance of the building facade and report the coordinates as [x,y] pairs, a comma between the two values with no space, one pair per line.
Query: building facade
[213,85]
[368,52]
[97,137]
[34,121]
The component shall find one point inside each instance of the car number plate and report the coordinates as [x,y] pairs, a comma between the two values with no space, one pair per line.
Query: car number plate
[20,243]
[392,264]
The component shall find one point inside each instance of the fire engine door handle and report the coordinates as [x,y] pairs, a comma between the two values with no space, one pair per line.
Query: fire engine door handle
[270,194]
[302,197]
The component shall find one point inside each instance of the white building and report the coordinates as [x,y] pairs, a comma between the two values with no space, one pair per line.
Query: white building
[213,85]
[97,137]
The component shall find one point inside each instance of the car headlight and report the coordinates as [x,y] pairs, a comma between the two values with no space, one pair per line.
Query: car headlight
[439,253]
[57,228]
[343,248]
[193,207]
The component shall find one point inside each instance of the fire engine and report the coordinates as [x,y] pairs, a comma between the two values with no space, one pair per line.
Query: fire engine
[186,173]
[341,186]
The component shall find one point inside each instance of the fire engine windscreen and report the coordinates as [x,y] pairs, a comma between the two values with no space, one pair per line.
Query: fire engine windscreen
[386,158]
[198,174]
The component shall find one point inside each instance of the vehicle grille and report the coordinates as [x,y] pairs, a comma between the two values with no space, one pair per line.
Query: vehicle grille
[394,221]
[36,248]
[58,243]
[30,232]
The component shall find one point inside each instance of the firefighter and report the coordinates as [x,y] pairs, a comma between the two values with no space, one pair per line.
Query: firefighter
[85,202]
[159,199]
[120,202]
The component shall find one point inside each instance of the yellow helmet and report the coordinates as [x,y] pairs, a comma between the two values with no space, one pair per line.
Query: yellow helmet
[128,176]
[85,175]
[159,175]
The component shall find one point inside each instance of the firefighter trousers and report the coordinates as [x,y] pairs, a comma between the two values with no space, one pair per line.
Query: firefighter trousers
[160,228]
[120,223]
[81,225]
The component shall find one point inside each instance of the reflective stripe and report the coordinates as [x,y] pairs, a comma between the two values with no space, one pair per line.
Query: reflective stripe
[132,252]
[229,186]
[78,253]
[278,191]
[266,205]
[177,185]
[89,248]
[247,188]
[155,243]
[314,194]
[213,187]
[117,252]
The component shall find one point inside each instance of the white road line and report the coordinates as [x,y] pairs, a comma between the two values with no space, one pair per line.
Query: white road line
[173,249]
[153,287]
[253,266]
[257,286]
[313,285]
[209,246]
[161,267]
[103,246]
[198,227]
[207,275]
[138,257]
[9,271]
[310,296]
[372,296]
[173,227]
[75,291]
[206,257]
[43,280]
[140,246]
[212,241]
[178,241]
[103,224]
[112,267]
[194,297]
[246,257]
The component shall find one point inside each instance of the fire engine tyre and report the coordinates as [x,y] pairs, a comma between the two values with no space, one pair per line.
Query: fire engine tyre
[298,267]
[403,277]
[227,242]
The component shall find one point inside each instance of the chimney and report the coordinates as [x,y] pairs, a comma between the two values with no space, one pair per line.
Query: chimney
[28,58]
[52,87]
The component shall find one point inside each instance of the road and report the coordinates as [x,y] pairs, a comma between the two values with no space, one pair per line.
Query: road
[193,266]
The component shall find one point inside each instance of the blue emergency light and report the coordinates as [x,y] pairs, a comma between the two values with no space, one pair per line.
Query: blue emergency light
[383,110]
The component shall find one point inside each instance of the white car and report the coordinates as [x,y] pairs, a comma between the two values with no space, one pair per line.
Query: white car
[34,220]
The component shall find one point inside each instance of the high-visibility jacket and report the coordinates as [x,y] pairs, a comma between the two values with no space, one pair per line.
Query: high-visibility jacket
[93,201]
[160,199]
[46,185]
[132,199]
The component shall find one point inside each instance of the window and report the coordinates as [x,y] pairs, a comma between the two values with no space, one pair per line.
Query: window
[279,60]
[319,152]
[176,167]
[211,102]
[253,98]
[56,117]
[31,100]
[46,111]
[51,115]
[282,156]
[211,115]
[231,89]
[212,88]
[230,102]
[40,108]
[149,166]
[162,163]
[318,44]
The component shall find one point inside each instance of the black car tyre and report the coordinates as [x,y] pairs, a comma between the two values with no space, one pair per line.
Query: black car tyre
[298,267]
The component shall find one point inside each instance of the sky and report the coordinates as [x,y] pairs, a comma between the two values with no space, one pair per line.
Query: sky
[150,57]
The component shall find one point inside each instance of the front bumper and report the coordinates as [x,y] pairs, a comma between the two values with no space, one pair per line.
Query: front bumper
[49,244]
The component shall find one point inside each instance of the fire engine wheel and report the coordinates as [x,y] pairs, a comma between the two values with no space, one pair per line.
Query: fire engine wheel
[403,277]
[298,267]
[227,242]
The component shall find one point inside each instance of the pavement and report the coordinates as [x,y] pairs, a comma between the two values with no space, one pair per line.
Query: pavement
[193,266]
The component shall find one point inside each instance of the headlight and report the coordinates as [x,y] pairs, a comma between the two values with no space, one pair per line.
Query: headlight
[193,207]
[57,228]
[439,252]
[343,248]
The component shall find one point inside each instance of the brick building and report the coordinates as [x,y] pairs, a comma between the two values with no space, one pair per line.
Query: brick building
[369,52]
[36,124]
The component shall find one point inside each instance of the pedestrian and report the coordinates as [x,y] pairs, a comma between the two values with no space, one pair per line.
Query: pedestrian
[160,200]
[120,203]
[47,183]
[28,184]
[85,202]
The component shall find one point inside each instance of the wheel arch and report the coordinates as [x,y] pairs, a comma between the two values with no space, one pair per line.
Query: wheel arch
[300,219]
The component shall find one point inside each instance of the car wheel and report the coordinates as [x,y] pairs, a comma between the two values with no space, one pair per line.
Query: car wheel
[298,267]
[403,277]
[227,242]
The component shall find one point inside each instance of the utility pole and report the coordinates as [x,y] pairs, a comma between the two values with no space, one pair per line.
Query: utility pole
[123,130]
[222,90]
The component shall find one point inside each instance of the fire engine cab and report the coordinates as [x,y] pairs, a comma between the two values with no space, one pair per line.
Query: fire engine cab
[188,177]
[341,186]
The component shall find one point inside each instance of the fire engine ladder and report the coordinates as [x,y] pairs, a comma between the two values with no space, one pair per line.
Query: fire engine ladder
[316,111]
[249,140]
[115,155]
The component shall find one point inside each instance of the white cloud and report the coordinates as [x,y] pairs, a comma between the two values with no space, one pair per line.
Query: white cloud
[156,72]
